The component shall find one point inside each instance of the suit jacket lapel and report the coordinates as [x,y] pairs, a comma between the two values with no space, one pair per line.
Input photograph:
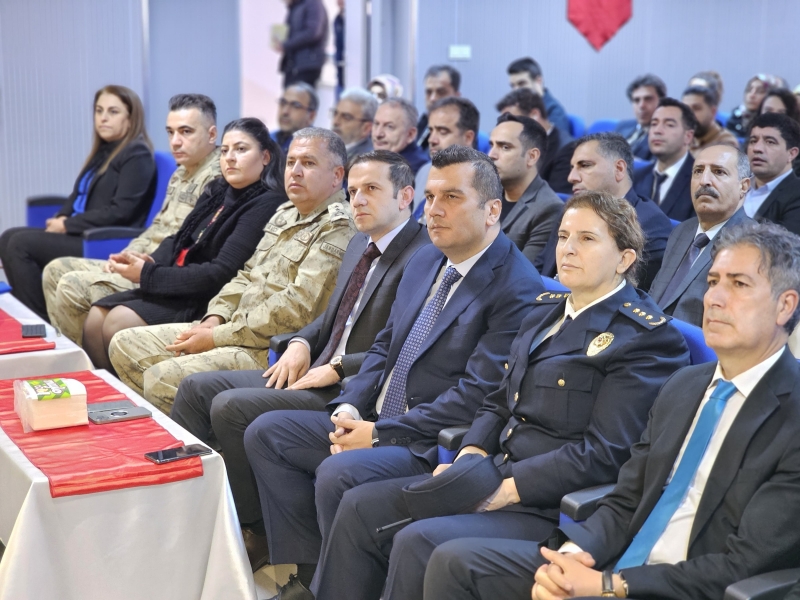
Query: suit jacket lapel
[775,195]
[359,245]
[673,260]
[409,316]
[521,205]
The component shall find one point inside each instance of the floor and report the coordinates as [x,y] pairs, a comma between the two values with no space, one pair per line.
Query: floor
[268,579]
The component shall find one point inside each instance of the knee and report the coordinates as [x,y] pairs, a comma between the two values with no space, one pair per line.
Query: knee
[449,561]
[260,436]
[411,536]
[224,409]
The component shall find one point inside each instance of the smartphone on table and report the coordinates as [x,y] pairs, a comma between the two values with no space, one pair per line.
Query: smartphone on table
[164,456]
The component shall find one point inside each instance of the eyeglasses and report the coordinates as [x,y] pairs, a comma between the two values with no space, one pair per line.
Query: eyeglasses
[346,117]
[283,103]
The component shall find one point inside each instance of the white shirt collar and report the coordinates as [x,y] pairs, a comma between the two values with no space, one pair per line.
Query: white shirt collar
[465,266]
[670,172]
[571,312]
[747,381]
[384,242]
[712,231]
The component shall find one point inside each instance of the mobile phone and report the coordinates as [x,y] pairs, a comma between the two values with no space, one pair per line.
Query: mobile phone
[110,405]
[102,417]
[32,331]
[164,456]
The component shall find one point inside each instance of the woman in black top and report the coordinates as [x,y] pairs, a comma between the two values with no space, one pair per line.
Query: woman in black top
[216,239]
[115,187]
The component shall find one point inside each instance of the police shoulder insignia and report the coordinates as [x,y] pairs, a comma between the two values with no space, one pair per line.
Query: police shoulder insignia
[600,343]
[551,297]
[645,315]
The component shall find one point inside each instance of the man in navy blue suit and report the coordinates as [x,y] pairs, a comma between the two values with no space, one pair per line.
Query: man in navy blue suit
[644,92]
[458,307]
[666,180]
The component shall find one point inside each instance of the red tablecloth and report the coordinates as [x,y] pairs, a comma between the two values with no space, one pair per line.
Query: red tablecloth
[95,458]
[11,340]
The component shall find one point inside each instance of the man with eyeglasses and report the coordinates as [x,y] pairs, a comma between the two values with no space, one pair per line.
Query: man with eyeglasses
[297,109]
[352,119]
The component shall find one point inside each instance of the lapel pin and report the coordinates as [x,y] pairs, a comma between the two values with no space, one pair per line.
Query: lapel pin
[600,343]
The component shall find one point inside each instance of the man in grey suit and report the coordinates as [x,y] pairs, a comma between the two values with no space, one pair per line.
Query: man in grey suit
[322,354]
[352,120]
[530,207]
[720,180]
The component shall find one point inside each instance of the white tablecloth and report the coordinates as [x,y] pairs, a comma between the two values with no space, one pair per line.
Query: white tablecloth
[174,541]
[66,356]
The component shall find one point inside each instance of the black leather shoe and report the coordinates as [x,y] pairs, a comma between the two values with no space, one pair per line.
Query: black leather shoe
[294,590]
[257,549]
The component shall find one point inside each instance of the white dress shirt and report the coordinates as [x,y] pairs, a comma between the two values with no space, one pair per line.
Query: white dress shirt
[571,312]
[756,196]
[671,172]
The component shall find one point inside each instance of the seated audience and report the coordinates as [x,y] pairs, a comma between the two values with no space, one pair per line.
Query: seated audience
[754,93]
[385,86]
[352,121]
[781,101]
[71,285]
[666,179]
[526,73]
[297,109]
[711,494]
[553,165]
[189,268]
[530,208]
[394,129]
[644,93]
[452,323]
[544,442]
[453,121]
[326,351]
[703,102]
[115,186]
[602,162]
[709,79]
[284,286]
[773,144]
[720,179]
[441,81]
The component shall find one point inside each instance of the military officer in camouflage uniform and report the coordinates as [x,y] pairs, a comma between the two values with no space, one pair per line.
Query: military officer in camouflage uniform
[284,286]
[72,284]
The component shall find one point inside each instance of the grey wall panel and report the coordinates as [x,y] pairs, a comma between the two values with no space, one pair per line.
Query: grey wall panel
[673,39]
[54,54]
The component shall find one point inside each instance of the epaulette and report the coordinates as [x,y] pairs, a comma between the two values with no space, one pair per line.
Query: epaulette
[338,211]
[551,297]
[644,316]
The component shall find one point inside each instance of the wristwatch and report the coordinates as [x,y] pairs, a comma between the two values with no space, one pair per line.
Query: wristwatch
[376,440]
[336,365]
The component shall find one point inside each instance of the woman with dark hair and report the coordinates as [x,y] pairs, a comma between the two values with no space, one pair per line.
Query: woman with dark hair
[780,100]
[218,236]
[754,93]
[115,186]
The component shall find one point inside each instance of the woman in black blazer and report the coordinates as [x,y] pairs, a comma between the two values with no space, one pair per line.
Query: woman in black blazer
[115,187]
[189,268]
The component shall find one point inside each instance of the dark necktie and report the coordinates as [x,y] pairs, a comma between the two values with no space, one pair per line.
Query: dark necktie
[658,180]
[634,137]
[700,242]
[354,285]
[394,403]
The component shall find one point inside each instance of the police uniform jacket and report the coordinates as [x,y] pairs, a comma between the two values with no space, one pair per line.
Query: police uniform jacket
[566,414]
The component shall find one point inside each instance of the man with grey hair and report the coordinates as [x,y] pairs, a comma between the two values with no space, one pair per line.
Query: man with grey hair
[720,180]
[284,286]
[297,108]
[352,120]
[395,129]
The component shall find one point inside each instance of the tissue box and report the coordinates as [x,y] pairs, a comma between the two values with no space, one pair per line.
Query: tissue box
[50,403]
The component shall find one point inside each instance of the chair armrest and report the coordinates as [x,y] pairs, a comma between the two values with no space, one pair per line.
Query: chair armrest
[580,505]
[450,438]
[46,200]
[768,586]
[111,233]
[279,343]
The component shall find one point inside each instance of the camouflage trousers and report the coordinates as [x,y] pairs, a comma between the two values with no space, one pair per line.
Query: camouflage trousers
[71,285]
[142,362]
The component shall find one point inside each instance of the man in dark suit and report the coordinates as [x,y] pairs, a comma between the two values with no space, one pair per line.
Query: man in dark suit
[719,184]
[323,353]
[772,146]
[530,208]
[602,162]
[456,312]
[395,129]
[526,73]
[644,93]
[441,81]
[666,179]
[711,494]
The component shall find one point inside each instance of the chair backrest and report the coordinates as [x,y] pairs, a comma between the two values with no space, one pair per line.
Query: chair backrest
[674,223]
[722,118]
[551,285]
[165,167]
[564,197]
[602,125]
[638,163]
[577,126]
[698,351]
[482,142]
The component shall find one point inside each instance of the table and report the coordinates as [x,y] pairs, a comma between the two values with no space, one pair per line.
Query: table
[66,356]
[173,541]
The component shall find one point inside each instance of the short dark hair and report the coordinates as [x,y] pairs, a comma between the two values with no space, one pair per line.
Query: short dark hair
[780,255]
[485,178]
[452,73]
[786,126]
[313,98]
[532,135]
[709,96]
[789,102]
[622,221]
[272,173]
[611,145]
[201,102]
[687,116]
[525,65]
[648,80]
[468,116]
[400,173]
[525,98]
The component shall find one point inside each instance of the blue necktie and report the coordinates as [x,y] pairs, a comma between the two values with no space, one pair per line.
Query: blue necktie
[394,403]
[676,489]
